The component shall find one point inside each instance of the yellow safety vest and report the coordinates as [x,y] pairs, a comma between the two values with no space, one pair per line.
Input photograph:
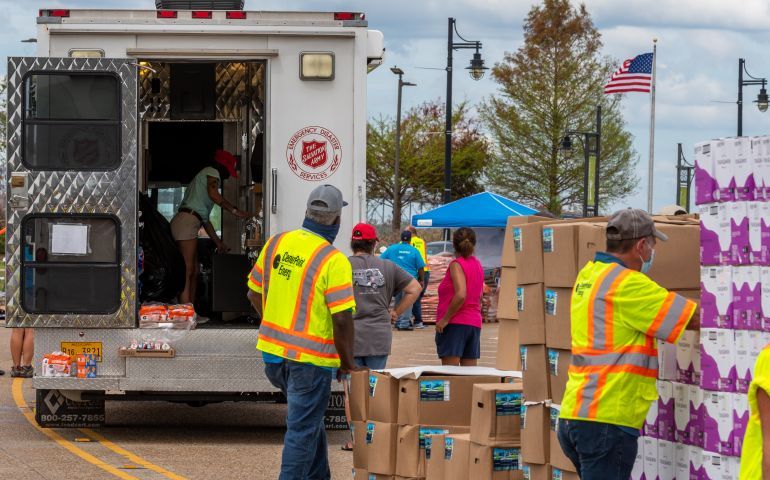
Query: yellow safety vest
[617,314]
[419,244]
[751,455]
[303,280]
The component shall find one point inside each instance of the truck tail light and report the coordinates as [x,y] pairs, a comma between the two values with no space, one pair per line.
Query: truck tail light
[237,15]
[342,16]
[58,12]
[166,13]
[201,14]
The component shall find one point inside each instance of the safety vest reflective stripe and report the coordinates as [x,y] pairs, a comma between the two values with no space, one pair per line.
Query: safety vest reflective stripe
[589,394]
[609,361]
[314,347]
[304,301]
[339,295]
[601,307]
[256,275]
[647,349]
[672,314]
[312,338]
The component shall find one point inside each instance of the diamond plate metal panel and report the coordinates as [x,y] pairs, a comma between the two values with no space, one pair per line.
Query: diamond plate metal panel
[155,105]
[74,192]
[71,383]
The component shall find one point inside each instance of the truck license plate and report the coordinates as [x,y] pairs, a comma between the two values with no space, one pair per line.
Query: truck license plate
[75,348]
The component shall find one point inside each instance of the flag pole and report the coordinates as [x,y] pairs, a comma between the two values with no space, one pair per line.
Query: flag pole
[651,167]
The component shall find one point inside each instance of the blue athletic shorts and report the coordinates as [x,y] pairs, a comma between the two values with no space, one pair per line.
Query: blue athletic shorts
[462,341]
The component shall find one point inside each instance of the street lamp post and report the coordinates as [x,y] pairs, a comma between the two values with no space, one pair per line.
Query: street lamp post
[396,181]
[591,168]
[762,98]
[684,173]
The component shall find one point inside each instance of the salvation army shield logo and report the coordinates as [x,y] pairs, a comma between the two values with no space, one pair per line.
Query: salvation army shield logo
[314,153]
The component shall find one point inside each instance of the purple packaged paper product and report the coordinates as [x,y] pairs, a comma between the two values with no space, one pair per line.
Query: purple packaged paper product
[740,421]
[747,298]
[649,446]
[740,249]
[666,460]
[637,473]
[717,297]
[650,426]
[667,361]
[705,184]
[756,215]
[719,467]
[686,358]
[743,169]
[760,152]
[764,274]
[717,360]
[745,341]
[682,413]
[764,227]
[666,423]
[695,455]
[718,422]
[724,175]
[715,234]
[695,426]
[759,341]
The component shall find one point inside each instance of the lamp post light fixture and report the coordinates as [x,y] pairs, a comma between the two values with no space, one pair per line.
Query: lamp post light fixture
[396,181]
[591,168]
[762,98]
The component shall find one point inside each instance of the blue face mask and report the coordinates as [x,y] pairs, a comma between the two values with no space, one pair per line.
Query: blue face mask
[646,266]
[329,232]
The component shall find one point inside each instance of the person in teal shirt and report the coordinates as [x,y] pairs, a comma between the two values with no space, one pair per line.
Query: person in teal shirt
[194,211]
[409,259]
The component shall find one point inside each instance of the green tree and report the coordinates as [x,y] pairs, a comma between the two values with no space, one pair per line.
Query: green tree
[552,84]
[421,167]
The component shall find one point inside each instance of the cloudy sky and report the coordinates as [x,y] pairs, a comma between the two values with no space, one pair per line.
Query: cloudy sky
[699,43]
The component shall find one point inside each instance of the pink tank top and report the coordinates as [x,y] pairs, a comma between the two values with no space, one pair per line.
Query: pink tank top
[470,312]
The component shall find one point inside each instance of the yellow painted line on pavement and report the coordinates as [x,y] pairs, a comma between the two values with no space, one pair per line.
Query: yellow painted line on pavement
[130,456]
[18,397]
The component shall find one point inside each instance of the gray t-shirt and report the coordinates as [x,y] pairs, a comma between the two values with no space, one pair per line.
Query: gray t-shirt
[375,281]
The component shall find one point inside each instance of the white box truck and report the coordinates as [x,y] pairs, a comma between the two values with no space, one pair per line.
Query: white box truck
[123,105]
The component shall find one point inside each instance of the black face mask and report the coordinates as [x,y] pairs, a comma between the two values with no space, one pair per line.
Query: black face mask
[329,232]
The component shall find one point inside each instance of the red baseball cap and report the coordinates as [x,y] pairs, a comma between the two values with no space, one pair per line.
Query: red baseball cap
[364,231]
[227,159]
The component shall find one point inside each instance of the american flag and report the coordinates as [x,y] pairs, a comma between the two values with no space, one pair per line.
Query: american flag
[635,75]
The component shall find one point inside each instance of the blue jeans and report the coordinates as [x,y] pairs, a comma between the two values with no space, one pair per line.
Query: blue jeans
[417,306]
[307,389]
[405,320]
[599,451]
[372,362]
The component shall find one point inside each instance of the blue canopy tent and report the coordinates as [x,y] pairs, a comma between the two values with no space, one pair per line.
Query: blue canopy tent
[487,213]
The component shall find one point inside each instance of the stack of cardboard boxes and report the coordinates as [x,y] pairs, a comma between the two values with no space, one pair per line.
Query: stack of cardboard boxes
[439,427]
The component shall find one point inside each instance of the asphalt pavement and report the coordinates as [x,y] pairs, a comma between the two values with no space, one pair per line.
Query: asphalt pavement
[160,440]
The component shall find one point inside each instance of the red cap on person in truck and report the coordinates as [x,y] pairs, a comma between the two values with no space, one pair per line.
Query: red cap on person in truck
[227,159]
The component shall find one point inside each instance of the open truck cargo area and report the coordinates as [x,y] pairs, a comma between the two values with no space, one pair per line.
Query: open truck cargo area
[109,124]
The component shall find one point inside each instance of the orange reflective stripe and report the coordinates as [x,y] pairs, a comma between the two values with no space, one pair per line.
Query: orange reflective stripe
[597,396]
[646,349]
[338,288]
[301,293]
[609,336]
[682,322]
[290,347]
[298,334]
[592,300]
[579,396]
[661,314]
[645,372]
[340,302]
[309,308]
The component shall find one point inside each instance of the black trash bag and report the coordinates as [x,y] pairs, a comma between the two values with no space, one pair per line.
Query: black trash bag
[163,275]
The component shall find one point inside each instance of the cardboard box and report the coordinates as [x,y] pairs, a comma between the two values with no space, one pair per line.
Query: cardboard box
[508,356]
[718,372]
[650,425]
[758,215]
[457,457]
[740,421]
[688,358]
[360,474]
[744,360]
[666,420]
[637,473]
[672,269]
[434,457]
[383,397]
[760,157]
[535,437]
[558,333]
[649,448]
[513,243]
[557,474]
[438,400]
[695,455]
[381,443]
[705,184]
[717,302]
[532,313]
[765,278]
[411,446]
[533,471]
[666,460]
[682,413]
[747,298]
[743,172]
[359,395]
[567,247]
[496,413]
[697,410]
[534,371]
[719,467]
[724,175]
[718,423]
[507,303]
[715,234]
[558,366]
[740,246]
[667,367]
[557,457]
[495,463]
[530,260]
[682,461]
[360,449]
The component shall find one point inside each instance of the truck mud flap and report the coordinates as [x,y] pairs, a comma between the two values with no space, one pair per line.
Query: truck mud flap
[54,410]
[335,418]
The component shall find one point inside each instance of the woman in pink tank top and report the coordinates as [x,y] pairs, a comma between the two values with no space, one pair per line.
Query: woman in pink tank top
[458,324]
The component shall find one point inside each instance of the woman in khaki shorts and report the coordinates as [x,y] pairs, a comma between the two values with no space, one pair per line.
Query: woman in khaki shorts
[199,199]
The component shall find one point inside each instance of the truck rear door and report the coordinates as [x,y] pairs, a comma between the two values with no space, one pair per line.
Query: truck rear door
[71,251]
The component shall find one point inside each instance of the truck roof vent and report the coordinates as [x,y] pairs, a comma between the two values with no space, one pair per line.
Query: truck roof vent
[199,4]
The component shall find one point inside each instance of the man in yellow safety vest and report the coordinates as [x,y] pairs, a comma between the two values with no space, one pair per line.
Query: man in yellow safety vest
[419,244]
[303,288]
[617,312]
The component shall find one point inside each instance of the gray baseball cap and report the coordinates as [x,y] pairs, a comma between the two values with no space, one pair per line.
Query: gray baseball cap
[632,223]
[326,198]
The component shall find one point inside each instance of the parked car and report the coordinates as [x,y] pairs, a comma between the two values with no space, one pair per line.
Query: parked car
[436,248]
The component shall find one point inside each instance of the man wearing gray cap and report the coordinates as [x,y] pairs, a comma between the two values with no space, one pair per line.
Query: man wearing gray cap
[617,313]
[303,288]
